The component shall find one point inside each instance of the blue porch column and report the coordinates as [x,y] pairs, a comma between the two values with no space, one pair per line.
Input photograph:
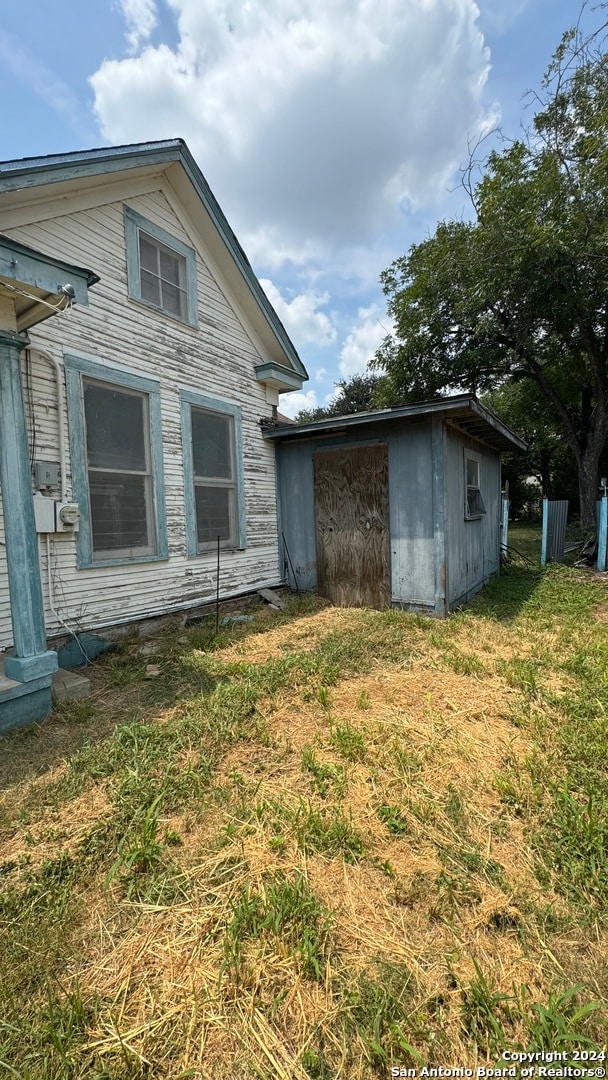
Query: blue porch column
[32,659]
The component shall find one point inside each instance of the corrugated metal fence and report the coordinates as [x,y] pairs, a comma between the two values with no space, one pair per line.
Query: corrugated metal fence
[555,517]
[602,534]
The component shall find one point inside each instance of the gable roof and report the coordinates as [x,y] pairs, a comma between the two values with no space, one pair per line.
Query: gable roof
[171,158]
[462,411]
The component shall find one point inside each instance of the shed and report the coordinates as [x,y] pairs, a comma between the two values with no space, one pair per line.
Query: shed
[395,507]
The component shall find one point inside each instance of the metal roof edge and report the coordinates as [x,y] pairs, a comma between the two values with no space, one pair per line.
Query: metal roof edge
[398,412]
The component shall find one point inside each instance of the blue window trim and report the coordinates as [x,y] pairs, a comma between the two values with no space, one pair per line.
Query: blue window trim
[188,399]
[134,223]
[75,367]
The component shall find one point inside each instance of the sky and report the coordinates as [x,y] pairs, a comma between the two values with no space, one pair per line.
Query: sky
[331,132]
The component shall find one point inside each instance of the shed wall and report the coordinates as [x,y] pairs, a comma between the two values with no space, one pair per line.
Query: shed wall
[217,360]
[473,547]
[410,487]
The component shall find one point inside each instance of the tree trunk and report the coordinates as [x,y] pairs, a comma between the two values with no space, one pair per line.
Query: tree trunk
[588,486]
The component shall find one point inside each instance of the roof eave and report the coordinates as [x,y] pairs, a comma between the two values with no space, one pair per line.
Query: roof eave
[494,432]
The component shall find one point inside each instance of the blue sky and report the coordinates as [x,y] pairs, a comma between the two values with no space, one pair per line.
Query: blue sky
[331,131]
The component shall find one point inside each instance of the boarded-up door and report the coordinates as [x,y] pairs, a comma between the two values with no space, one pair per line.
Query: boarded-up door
[352,530]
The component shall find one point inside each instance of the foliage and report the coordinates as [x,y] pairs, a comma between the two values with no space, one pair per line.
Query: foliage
[519,294]
[356,394]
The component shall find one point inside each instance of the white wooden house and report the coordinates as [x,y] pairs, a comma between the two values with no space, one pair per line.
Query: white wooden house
[142,408]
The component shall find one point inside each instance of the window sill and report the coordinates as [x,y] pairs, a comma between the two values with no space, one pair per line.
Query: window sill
[212,550]
[131,560]
[139,300]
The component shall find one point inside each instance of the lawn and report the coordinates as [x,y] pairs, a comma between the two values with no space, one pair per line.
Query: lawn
[323,843]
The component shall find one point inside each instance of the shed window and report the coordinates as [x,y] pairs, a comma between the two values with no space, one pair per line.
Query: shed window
[119,471]
[161,270]
[474,506]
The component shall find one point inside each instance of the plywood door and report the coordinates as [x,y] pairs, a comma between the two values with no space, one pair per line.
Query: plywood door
[352,527]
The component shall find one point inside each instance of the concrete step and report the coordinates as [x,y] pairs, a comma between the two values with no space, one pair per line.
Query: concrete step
[70,685]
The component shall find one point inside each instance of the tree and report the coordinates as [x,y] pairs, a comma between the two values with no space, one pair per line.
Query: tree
[521,292]
[356,395]
[548,459]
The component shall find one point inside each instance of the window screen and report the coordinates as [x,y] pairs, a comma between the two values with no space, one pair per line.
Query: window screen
[214,477]
[474,503]
[119,472]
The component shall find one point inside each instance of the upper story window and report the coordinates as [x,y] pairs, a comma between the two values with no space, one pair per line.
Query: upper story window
[116,453]
[474,504]
[161,270]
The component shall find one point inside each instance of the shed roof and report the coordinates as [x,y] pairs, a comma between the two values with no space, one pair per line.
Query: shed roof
[462,411]
[19,180]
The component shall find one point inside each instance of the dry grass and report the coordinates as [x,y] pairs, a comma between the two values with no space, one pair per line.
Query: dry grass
[374,807]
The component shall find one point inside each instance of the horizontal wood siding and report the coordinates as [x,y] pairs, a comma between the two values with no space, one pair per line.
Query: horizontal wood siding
[473,546]
[217,360]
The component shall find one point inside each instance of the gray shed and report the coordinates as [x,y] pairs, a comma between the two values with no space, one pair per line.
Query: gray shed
[396,507]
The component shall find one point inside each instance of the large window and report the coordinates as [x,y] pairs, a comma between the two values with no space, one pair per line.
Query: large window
[161,269]
[212,473]
[119,470]
[116,453]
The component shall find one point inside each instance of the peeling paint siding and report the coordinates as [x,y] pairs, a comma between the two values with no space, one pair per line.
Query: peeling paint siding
[217,359]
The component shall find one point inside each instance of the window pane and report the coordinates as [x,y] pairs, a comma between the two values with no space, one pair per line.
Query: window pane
[174,300]
[212,513]
[119,516]
[148,254]
[472,473]
[211,436]
[115,423]
[170,266]
[150,288]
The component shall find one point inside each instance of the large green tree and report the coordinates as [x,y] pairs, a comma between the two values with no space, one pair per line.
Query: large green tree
[356,394]
[521,292]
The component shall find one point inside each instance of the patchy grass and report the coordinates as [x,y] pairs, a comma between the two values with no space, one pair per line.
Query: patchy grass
[323,843]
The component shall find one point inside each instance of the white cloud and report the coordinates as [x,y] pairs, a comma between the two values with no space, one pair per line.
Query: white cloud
[291,404]
[363,341]
[314,120]
[141,18]
[300,317]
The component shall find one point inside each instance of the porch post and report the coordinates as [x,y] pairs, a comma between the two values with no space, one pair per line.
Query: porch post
[32,660]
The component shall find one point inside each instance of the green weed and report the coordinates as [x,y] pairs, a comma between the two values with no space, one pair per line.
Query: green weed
[348,742]
[326,777]
[284,909]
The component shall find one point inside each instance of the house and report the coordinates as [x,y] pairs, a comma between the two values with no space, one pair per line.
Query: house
[139,441]
[395,507]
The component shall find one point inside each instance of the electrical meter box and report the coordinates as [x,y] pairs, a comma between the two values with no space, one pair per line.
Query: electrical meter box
[53,516]
[44,513]
[67,517]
